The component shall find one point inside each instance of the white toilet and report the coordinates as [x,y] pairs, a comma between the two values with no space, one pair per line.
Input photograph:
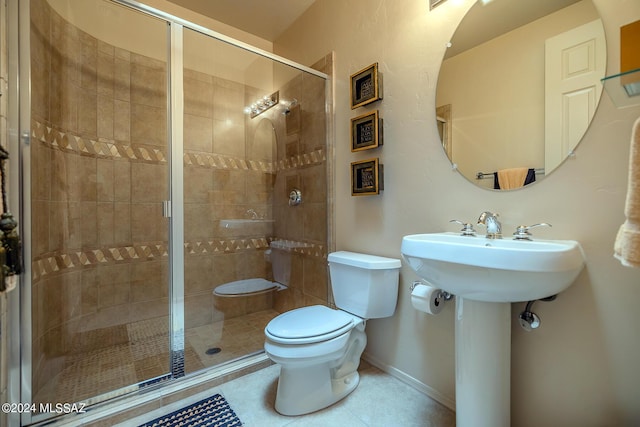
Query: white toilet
[319,348]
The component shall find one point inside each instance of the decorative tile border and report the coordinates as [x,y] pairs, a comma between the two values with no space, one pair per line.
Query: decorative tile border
[218,161]
[307,159]
[58,262]
[104,149]
[52,263]
[68,142]
[222,246]
[304,248]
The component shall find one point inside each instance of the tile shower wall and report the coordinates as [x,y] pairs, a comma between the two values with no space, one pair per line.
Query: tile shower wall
[221,183]
[302,164]
[99,169]
[99,174]
[229,171]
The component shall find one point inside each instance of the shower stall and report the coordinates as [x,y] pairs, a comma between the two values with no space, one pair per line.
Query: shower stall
[157,159]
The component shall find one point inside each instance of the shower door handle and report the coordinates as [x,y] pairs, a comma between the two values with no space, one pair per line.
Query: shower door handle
[166,208]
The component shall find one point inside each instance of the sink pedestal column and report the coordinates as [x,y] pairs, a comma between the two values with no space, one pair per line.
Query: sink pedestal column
[483,363]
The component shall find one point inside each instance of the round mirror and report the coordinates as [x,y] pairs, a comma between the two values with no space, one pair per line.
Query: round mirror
[518,87]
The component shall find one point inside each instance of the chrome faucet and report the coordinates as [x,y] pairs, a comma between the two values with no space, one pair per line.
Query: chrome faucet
[252,214]
[490,220]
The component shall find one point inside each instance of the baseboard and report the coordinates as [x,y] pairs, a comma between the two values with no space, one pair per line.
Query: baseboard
[409,380]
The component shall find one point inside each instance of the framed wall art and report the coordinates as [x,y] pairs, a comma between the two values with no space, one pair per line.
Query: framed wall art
[366,86]
[366,131]
[367,177]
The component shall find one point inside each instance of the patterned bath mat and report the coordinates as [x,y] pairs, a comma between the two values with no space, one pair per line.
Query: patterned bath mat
[211,412]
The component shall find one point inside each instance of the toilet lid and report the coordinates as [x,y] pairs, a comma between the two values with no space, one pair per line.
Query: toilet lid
[307,322]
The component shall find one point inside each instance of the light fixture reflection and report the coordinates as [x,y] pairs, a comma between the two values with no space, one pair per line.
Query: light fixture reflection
[434,3]
[262,105]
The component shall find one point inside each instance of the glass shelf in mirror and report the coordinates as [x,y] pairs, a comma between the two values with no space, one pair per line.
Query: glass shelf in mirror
[624,88]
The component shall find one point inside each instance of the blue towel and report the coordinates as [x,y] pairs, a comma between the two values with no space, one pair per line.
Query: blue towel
[531,177]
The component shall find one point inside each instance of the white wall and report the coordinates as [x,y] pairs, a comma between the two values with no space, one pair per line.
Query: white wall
[581,367]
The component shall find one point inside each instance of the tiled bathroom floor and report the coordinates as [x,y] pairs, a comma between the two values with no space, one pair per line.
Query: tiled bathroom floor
[379,401]
[144,354]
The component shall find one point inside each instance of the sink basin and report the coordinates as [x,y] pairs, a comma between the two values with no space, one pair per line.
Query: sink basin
[486,275]
[494,270]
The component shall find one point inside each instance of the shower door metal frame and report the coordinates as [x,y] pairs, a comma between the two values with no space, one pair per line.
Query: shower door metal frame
[219,36]
[18,132]
[19,129]
[175,120]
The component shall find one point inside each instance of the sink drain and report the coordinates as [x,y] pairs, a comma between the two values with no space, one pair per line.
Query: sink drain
[213,350]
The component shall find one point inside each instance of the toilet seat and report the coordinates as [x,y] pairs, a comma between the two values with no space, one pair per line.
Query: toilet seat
[309,325]
[246,287]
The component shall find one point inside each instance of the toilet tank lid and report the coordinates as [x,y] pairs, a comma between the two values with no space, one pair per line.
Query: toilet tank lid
[370,262]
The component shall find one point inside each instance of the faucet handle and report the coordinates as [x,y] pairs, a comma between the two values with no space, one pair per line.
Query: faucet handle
[467,228]
[522,231]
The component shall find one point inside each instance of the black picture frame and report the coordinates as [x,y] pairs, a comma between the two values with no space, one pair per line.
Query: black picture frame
[366,86]
[367,177]
[366,131]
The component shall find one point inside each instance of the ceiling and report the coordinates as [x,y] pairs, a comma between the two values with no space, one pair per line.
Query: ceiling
[266,19]
[484,22]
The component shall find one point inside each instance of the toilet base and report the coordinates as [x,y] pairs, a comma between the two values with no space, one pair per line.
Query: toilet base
[301,391]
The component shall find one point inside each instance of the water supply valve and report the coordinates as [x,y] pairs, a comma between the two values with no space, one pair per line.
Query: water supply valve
[522,231]
[467,228]
[295,197]
[528,319]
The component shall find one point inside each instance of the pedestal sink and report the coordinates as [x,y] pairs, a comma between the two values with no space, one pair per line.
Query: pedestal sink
[486,275]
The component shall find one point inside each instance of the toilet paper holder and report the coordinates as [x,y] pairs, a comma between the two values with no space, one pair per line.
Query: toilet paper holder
[442,295]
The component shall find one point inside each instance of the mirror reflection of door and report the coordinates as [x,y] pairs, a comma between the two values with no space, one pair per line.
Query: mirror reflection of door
[574,63]
[264,144]
[443,118]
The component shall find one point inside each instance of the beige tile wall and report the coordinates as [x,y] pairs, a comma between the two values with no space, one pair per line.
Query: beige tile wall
[100,171]
[302,150]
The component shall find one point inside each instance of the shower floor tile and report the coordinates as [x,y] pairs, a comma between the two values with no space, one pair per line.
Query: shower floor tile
[89,373]
[235,338]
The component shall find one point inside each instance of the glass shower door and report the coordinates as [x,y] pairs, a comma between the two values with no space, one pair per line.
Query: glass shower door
[137,158]
[228,195]
[99,178]
[239,169]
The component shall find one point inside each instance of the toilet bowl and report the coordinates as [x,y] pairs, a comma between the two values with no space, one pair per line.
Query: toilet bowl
[318,348]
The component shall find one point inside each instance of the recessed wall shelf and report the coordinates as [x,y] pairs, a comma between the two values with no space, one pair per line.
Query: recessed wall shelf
[624,88]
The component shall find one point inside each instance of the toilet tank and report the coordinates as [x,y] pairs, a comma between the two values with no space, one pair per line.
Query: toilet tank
[364,285]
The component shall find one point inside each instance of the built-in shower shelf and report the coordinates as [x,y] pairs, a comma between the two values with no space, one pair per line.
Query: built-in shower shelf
[239,223]
[624,88]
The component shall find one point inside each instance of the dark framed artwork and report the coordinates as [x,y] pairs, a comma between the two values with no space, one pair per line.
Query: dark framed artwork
[366,177]
[366,86]
[366,131]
